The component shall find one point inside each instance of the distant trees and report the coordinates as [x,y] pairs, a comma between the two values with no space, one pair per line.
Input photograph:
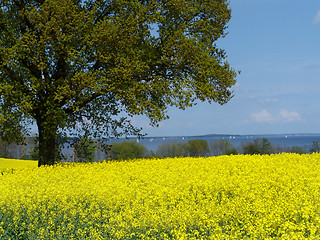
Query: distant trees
[17,150]
[258,146]
[34,154]
[89,150]
[315,147]
[197,148]
[172,149]
[192,148]
[296,149]
[127,150]
[84,149]
[263,146]
[231,151]
[222,147]
[5,149]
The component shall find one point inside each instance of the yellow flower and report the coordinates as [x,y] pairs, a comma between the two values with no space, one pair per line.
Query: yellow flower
[226,197]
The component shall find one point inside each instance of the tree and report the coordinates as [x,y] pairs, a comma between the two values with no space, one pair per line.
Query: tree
[34,154]
[258,146]
[221,147]
[172,149]
[84,149]
[95,63]
[231,151]
[197,147]
[315,147]
[127,150]
[6,149]
[296,149]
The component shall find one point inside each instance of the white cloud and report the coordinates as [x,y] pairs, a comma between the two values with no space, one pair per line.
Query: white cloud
[289,116]
[283,116]
[272,100]
[262,116]
[269,100]
[317,18]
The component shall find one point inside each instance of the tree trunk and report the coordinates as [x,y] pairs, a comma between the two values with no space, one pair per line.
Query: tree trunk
[47,143]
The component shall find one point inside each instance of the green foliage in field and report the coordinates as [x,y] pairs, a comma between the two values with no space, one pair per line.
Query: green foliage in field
[172,149]
[197,148]
[296,149]
[315,147]
[127,150]
[222,147]
[84,149]
[258,146]
[192,148]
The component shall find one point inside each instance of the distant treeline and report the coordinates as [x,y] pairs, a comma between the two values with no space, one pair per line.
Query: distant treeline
[88,150]
[199,147]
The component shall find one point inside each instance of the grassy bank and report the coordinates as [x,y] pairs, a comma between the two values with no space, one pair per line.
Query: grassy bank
[226,197]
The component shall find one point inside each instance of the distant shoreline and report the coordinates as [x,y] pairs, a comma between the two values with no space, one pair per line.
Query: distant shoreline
[234,135]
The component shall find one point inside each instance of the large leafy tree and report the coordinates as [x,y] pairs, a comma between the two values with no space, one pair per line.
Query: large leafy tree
[71,63]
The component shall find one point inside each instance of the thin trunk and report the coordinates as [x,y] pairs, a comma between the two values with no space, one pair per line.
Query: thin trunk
[47,144]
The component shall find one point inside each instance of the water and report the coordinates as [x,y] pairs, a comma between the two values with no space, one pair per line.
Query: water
[301,140]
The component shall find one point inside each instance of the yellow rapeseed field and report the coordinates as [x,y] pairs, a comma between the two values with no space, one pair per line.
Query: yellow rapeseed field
[9,164]
[226,197]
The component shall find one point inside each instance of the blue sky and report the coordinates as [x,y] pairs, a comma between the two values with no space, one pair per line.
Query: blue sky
[276,46]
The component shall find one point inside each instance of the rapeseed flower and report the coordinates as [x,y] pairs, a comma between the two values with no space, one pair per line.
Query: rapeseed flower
[225,197]
[7,165]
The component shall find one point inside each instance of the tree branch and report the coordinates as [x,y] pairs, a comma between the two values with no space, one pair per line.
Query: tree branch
[15,78]
[21,5]
[83,103]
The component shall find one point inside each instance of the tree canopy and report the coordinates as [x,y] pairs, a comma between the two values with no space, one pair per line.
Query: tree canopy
[68,64]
